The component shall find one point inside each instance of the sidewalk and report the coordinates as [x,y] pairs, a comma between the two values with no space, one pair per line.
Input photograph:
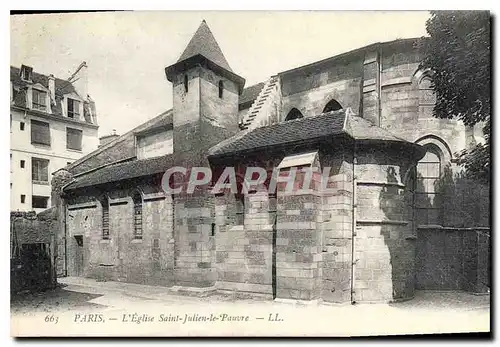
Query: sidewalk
[140,310]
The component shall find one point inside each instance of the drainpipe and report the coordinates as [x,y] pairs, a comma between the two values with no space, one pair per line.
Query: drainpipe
[353,234]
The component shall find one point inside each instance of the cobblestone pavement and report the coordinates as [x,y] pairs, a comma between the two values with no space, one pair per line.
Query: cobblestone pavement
[89,308]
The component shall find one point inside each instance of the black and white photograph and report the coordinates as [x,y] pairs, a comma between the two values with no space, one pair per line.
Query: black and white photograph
[250,173]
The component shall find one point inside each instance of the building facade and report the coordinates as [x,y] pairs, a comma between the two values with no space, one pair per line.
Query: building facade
[361,233]
[53,122]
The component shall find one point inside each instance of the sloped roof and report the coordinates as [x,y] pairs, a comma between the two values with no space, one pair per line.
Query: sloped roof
[122,171]
[249,94]
[203,42]
[283,133]
[62,86]
[362,129]
[310,128]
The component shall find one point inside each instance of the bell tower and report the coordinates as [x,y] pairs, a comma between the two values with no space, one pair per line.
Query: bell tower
[205,98]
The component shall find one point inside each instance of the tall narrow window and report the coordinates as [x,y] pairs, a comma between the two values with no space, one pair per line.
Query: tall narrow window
[426,98]
[137,198]
[240,209]
[427,200]
[221,89]
[186,88]
[105,218]
[39,100]
[39,170]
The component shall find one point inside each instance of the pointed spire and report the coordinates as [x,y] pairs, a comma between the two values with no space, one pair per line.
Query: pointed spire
[204,43]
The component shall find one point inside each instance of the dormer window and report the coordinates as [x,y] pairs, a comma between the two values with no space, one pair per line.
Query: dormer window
[73,108]
[26,72]
[39,100]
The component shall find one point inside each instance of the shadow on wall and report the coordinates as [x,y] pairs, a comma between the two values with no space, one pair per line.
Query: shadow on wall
[395,203]
[451,220]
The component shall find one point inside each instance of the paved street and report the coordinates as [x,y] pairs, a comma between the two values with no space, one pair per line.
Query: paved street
[84,307]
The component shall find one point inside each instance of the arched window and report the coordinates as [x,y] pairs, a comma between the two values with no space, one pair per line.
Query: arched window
[426,97]
[427,199]
[186,88]
[137,199]
[332,105]
[221,89]
[293,114]
[105,218]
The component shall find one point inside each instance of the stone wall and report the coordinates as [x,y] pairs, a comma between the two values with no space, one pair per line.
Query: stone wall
[244,252]
[194,241]
[453,259]
[384,248]
[337,228]
[122,257]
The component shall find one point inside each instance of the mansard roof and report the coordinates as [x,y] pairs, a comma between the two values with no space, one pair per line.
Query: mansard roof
[203,43]
[315,128]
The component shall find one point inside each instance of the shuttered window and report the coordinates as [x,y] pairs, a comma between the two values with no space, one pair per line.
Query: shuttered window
[137,216]
[39,170]
[73,139]
[40,132]
[39,100]
[73,109]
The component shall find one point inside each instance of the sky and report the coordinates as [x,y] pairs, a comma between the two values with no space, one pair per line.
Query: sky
[127,52]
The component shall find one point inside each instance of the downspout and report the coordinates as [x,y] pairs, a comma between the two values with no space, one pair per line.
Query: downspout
[353,234]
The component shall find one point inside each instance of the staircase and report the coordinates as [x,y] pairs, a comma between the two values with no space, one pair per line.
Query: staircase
[259,112]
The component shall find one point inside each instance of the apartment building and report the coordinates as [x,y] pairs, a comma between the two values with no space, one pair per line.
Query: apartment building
[53,122]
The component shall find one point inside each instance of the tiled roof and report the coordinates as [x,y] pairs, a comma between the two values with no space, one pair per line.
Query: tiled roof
[297,130]
[122,171]
[302,129]
[203,42]
[62,86]
[362,129]
[249,94]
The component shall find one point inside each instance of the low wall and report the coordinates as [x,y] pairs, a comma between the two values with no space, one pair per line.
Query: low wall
[453,259]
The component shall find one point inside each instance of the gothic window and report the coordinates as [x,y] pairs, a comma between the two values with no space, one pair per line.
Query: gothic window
[105,218]
[137,199]
[293,114]
[426,97]
[221,89]
[427,197]
[332,105]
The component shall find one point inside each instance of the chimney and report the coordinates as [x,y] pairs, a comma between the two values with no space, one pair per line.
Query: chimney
[107,138]
[52,88]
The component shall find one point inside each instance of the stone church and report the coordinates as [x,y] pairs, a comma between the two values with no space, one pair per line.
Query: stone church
[388,225]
